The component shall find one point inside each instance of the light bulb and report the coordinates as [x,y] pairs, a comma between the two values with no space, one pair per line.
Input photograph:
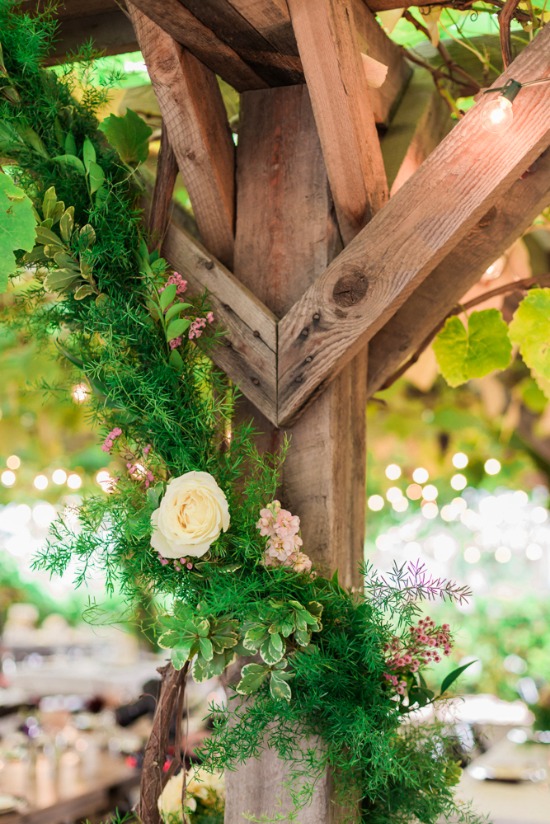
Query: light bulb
[498,115]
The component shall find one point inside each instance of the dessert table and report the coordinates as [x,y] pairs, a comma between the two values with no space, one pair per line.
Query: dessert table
[510,783]
[73,788]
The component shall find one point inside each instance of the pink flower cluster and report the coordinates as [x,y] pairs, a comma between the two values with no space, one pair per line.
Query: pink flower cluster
[178,564]
[283,545]
[179,282]
[198,325]
[424,644]
[110,439]
[139,473]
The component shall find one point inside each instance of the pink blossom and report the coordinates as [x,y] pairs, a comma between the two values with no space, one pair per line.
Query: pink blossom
[175,343]
[281,529]
[178,281]
[210,317]
[195,330]
[109,441]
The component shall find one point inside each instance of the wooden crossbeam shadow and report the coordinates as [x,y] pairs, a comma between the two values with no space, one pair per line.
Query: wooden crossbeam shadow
[418,254]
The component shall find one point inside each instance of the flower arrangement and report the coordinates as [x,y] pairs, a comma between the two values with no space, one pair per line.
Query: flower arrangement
[194,519]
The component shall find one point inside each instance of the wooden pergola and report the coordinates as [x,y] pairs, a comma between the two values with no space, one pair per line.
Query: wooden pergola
[324,283]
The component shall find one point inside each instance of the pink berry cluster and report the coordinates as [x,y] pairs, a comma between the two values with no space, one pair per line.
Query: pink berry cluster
[423,645]
[109,441]
[179,282]
[139,473]
[195,330]
[178,563]
[282,528]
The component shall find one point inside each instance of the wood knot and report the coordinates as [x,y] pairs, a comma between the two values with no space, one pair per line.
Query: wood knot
[305,332]
[209,264]
[255,381]
[316,316]
[488,218]
[298,379]
[351,288]
[256,334]
[308,359]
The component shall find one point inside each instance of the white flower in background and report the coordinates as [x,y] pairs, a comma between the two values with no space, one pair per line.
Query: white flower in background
[190,517]
[170,803]
[206,786]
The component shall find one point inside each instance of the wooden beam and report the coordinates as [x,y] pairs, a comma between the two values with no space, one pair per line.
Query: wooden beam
[101,21]
[201,41]
[420,123]
[374,42]
[194,115]
[422,223]
[161,201]
[326,35]
[275,67]
[271,19]
[400,338]
[286,235]
[249,354]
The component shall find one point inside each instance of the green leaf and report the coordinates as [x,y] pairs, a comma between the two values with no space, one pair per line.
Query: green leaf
[463,354]
[206,648]
[96,176]
[254,638]
[87,237]
[128,135]
[175,310]
[88,153]
[201,626]
[48,202]
[71,162]
[302,637]
[177,328]
[167,296]
[168,639]
[530,330]
[175,360]
[59,280]
[84,291]
[66,224]
[452,676]
[66,261]
[179,658]
[17,227]
[272,649]
[278,686]
[252,678]
[70,144]
[47,237]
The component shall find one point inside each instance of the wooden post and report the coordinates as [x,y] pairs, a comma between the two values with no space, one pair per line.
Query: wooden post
[285,236]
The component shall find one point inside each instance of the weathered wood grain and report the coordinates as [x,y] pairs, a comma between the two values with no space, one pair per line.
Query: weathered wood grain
[427,218]
[326,35]
[420,123]
[275,67]
[161,201]
[271,19]
[193,112]
[248,356]
[373,41]
[201,41]
[445,286]
[286,234]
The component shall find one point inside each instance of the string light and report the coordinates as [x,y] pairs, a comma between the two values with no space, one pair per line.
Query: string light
[13,462]
[74,481]
[393,472]
[41,482]
[375,503]
[460,460]
[80,392]
[498,115]
[59,476]
[420,475]
[492,466]
[8,477]
[459,481]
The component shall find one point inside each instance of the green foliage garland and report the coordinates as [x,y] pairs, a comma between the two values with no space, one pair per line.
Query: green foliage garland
[321,654]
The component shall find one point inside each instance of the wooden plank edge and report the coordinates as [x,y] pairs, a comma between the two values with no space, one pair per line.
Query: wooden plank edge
[249,354]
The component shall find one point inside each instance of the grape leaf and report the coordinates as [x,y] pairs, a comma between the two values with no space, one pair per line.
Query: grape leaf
[473,352]
[128,135]
[530,330]
[17,227]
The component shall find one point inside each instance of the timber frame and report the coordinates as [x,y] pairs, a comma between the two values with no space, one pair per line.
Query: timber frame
[330,252]
[402,254]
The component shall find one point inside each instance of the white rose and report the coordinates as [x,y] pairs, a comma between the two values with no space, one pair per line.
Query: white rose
[190,517]
[170,804]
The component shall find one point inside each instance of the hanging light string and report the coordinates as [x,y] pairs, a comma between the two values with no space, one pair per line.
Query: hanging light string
[498,114]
